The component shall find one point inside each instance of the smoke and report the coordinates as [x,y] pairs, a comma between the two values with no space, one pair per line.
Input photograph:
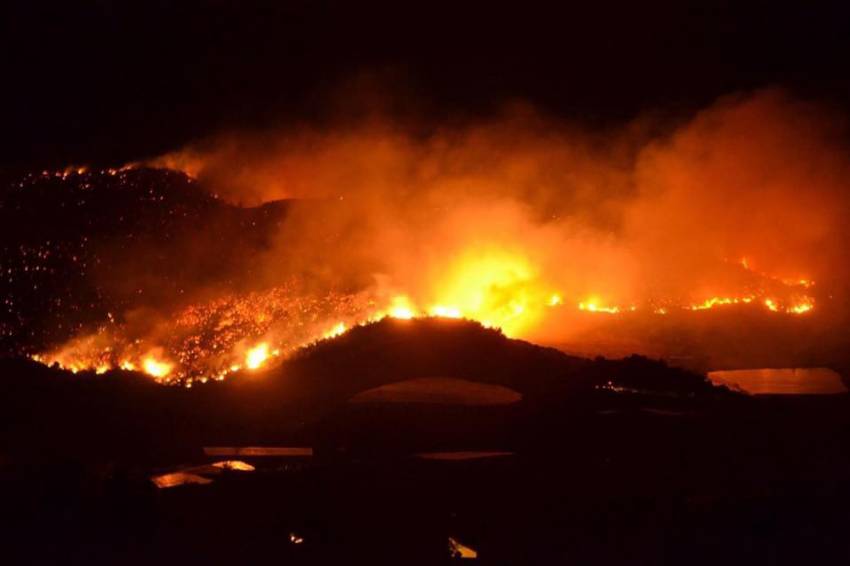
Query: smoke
[527,205]
[761,176]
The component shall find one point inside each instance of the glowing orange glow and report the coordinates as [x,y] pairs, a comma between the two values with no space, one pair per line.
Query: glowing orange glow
[337,330]
[805,305]
[401,308]
[593,305]
[496,287]
[518,224]
[257,356]
[720,301]
[235,465]
[445,312]
[156,368]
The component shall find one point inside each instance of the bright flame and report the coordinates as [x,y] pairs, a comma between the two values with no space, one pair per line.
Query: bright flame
[498,287]
[401,308]
[338,329]
[804,306]
[718,301]
[156,368]
[257,356]
[592,305]
[445,312]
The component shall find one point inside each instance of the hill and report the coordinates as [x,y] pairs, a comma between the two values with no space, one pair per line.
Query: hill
[83,247]
[126,416]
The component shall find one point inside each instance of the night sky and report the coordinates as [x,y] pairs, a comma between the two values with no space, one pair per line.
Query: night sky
[105,82]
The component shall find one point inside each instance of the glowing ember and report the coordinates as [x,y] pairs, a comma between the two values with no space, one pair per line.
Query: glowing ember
[234,465]
[207,340]
[719,301]
[592,305]
[803,306]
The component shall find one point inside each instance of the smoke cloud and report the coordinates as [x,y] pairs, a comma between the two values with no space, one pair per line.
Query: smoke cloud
[626,216]
[522,221]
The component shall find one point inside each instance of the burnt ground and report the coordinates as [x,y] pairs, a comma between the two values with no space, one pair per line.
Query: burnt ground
[613,462]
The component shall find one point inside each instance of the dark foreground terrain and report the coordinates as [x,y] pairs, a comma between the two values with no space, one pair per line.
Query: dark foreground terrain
[599,462]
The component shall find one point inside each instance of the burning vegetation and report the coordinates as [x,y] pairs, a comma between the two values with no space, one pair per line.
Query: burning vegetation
[521,224]
[248,332]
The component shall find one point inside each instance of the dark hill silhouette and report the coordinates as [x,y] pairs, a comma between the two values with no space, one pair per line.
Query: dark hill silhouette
[394,350]
[556,388]
[125,415]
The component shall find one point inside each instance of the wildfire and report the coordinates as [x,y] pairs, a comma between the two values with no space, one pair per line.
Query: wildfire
[803,306]
[719,301]
[402,308]
[156,368]
[208,340]
[443,311]
[497,288]
[337,330]
[257,356]
[592,305]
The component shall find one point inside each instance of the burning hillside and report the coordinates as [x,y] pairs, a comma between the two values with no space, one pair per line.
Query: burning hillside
[522,224]
[246,332]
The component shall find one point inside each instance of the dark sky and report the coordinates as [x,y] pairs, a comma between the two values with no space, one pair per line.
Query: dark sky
[111,81]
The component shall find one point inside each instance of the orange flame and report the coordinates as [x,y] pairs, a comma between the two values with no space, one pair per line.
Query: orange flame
[257,356]
[156,368]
